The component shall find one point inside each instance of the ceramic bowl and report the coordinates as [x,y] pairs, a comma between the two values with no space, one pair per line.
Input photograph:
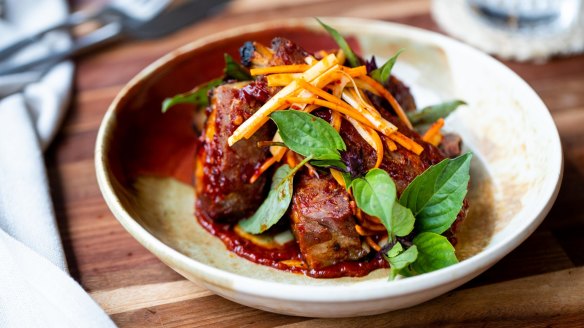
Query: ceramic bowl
[144,163]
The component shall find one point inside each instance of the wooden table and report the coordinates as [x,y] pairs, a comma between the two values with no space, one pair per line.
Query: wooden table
[540,283]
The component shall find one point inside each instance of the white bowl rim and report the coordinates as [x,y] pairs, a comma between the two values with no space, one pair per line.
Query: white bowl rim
[378,289]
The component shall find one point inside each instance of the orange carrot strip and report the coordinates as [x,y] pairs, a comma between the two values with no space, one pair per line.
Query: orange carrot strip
[361,231]
[282,79]
[433,131]
[265,166]
[389,97]
[323,103]
[338,177]
[299,68]
[390,144]
[371,137]
[291,159]
[371,243]
[261,116]
[406,142]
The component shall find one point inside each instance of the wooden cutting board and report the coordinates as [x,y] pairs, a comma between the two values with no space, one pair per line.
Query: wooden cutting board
[541,283]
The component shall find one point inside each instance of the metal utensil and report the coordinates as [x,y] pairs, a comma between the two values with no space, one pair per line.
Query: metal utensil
[119,28]
[131,12]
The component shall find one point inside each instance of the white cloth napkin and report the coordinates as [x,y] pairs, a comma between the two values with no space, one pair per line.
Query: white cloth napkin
[35,287]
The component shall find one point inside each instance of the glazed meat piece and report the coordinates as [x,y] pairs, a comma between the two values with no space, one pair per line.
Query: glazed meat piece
[450,146]
[222,173]
[323,223]
[401,93]
[402,165]
[282,52]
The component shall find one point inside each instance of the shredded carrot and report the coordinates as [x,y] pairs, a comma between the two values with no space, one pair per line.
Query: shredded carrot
[323,94]
[336,120]
[433,132]
[362,231]
[406,142]
[341,56]
[263,50]
[371,137]
[389,97]
[261,116]
[282,79]
[338,177]
[390,144]
[279,69]
[310,108]
[291,159]
[355,71]
[265,166]
[323,103]
[376,121]
[372,243]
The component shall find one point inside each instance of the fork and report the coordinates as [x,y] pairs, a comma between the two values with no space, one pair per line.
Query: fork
[118,26]
[132,12]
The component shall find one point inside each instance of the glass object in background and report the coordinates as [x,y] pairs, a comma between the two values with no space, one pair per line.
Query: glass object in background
[528,16]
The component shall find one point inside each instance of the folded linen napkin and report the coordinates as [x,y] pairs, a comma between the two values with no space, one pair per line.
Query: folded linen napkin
[35,287]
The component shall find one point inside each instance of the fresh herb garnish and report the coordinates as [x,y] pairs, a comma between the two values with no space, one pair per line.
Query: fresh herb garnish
[309,135]
[434,252]
[383,73]
[431,114]
[235,70]
[197,96]
[399,260]
[342,43]
[274,206]
[435,196]
[375,194]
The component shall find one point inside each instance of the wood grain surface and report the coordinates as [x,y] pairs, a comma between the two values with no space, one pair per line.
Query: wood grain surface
[539,284]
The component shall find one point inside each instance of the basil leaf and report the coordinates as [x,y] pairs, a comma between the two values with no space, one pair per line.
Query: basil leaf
[274,206]
[434,252]
[400,262]
[395,250]
[342,43]
[308,135]
[383,73]
[235,70]
[430,114]
[336,164]
[435,196]
[403,220]
[197,96]
[375,195]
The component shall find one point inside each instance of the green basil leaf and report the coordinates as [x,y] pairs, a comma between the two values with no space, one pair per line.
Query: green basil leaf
[274,206]
[197,96]
[430,114]
[395,250]
[343,45]
[435,196]
[383,73]
[309,135]
[434,252]
[235,70]
[375,195]
[400,262]
[337,164]
[403,220]
[348,180]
